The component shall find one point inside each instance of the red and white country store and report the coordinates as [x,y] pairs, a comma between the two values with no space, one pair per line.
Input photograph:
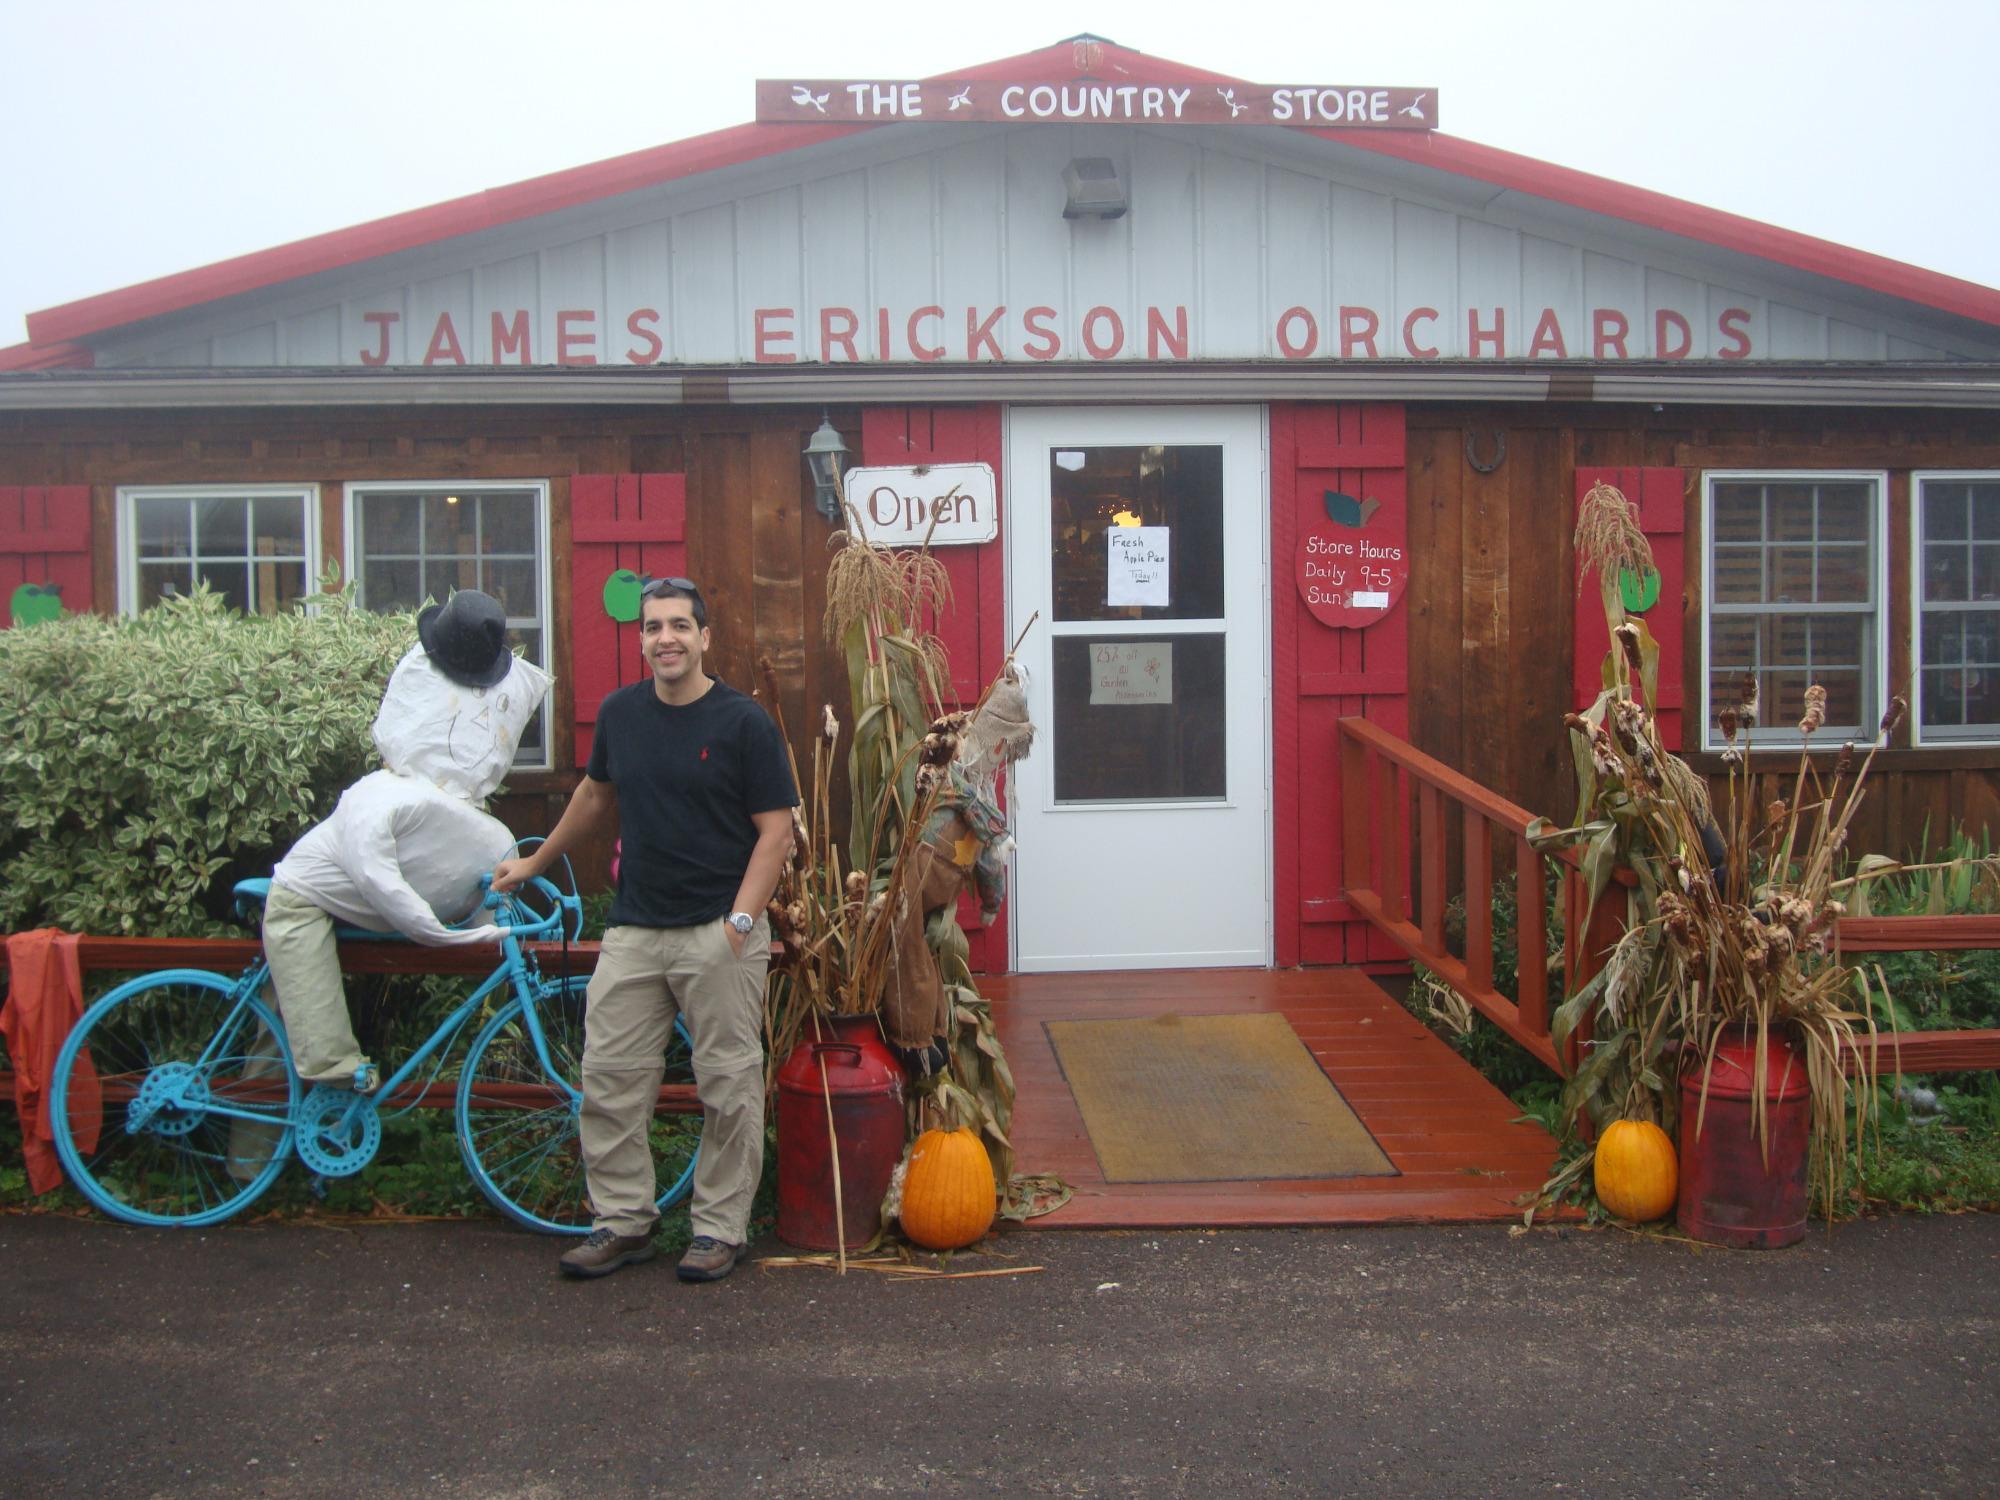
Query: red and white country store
[1268,405]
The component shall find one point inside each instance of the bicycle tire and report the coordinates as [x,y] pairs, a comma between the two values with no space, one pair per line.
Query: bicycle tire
[136,1128]
[518,1129]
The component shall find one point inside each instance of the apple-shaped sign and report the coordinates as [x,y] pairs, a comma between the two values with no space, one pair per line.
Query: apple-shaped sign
[32,603]
[1351,573]
[621,596]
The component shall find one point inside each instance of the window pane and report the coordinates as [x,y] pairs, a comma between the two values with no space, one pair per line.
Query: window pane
[1836,640]
[1791,575]
[389,524]
[1945,573]
[1944,638]
[1792,512]
[163,526]
[1985,501]
[1739,513]
[1944,511]
[1177,487]
[1986,570]
[221,525]
[390,586]
[1843,575]
[231,580]
[1732,641]
[1139,719]
[448,525]
[513,584]
[1982,698]
[1783,640]
[1982,637]
[277,585]
[1739,575]
[1843,699]
[509,524]
[1943,696]
[1843,512]
[157,580]
[1783,695]
[278,526]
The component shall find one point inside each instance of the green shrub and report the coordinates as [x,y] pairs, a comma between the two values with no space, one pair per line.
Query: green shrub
[144,760]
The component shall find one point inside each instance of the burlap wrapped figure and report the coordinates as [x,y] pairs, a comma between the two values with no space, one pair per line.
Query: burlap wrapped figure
[964,839]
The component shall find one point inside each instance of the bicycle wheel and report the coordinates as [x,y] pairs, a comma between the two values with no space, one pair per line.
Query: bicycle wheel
[517,1125]
[172,1100]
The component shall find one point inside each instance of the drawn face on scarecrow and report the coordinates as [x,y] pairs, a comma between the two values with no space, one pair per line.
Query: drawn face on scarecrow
[671,643]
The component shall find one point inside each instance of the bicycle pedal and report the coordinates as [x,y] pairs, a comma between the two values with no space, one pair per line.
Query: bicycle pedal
[367,1078]
[316,1185]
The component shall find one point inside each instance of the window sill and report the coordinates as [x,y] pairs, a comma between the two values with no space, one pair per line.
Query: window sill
[1891,759]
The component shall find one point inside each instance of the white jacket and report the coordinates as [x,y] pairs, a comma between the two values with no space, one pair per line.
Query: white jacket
[399,853]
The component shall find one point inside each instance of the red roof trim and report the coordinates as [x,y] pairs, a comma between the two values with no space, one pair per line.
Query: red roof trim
[746,143]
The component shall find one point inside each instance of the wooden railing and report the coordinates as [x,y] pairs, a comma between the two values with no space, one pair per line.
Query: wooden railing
[1403,885]
[232,955]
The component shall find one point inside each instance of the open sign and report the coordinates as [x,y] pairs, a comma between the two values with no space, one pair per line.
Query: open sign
[951,504]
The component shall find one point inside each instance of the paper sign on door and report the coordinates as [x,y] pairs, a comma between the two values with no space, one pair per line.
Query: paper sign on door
[1132,672]
[1137,562]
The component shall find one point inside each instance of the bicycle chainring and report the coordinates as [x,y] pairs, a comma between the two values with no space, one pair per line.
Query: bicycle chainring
[336,1130]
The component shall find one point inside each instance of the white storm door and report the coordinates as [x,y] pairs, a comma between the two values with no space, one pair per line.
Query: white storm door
[1142,819]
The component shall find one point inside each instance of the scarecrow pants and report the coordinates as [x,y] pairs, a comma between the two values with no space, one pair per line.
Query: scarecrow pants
[646,976]
[312,999]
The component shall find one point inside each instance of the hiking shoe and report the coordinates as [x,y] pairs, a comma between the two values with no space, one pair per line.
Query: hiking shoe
[707,1259]
[605,1251]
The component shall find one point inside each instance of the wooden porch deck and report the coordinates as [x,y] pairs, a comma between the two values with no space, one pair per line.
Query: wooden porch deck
[1451,1135]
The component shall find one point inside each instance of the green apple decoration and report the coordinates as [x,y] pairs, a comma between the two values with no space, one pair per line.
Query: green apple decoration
[33,603]
[1640,592]
[621,595]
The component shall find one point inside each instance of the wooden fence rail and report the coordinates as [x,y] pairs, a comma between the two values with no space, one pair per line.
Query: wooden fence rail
[1403,885]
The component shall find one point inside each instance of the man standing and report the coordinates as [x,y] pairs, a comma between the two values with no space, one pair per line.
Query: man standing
[700,783]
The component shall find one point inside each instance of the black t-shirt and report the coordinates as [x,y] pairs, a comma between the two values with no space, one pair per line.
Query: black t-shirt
[688,780]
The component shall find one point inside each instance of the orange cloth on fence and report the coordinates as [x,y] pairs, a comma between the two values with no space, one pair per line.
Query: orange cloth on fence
[44,999]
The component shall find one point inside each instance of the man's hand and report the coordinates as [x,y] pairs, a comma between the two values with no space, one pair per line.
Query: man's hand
[736,939]
[512,872]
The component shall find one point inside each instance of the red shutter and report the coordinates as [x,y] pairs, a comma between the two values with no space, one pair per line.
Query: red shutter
[45,540]
[1320,673]
[1660,495]
[635,521]
[975,631]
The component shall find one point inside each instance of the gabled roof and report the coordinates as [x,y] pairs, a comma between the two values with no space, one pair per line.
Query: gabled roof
[56,334]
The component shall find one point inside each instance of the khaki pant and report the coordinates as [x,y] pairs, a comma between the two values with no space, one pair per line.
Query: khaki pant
[312,998]
[644,977]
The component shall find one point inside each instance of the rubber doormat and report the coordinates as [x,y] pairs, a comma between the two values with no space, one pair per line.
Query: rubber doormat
[1210,1099]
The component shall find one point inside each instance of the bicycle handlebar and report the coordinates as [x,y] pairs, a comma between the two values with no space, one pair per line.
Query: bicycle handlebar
[511,912]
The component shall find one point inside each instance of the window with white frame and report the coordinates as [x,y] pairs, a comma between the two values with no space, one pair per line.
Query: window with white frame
[256,545]
[409,542]
[1956,593]
[1794,596]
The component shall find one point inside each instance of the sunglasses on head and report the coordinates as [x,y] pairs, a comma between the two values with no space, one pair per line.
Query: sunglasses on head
[652,588]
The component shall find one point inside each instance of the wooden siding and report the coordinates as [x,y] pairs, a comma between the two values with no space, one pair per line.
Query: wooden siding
[1493,600]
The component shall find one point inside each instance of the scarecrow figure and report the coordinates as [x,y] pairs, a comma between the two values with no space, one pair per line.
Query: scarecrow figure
[964,839]
[406,846]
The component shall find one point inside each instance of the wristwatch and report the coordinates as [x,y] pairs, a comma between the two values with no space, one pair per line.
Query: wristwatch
[742,921]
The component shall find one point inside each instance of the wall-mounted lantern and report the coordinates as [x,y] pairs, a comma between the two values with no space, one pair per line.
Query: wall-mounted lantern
[824,452]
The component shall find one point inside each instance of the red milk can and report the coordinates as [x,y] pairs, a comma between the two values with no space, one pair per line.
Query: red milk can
[1728,1195]
[864,1083]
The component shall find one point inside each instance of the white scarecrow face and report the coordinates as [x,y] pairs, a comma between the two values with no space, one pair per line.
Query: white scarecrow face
[461,739]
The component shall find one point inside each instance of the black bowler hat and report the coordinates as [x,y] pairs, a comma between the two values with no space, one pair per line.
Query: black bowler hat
[466,638]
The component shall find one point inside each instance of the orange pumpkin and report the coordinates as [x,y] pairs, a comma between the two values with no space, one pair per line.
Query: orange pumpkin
[948,1196]
[1637,1173]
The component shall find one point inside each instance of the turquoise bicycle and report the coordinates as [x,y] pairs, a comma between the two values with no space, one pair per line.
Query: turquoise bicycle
[176,1103]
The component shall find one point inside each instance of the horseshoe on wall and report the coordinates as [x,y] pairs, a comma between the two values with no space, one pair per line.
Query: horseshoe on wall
[1486,465]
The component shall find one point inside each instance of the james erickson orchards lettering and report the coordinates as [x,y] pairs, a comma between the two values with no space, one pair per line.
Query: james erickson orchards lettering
[976,334]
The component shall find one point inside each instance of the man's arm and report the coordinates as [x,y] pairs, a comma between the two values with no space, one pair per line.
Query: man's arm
[591,806]
[767,863]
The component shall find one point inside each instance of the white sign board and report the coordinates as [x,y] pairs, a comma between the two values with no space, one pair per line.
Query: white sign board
[1132,672]
[950,504]
[1136,559]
